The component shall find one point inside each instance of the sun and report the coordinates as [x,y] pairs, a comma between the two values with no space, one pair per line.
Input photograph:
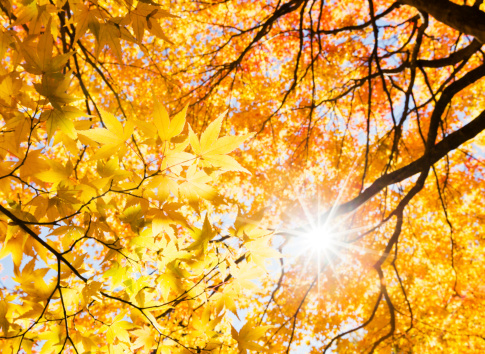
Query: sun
[318,239]
[327,236]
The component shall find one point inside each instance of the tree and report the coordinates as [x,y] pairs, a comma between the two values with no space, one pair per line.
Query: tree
[130,228]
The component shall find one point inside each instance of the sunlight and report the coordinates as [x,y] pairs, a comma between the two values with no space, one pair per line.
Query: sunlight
[318,239]
[325,239]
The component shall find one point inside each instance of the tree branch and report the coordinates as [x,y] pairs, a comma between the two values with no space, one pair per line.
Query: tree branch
[463,18]
[438,151]
[24,227]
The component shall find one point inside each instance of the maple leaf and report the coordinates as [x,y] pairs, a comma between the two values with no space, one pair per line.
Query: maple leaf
[54,89]
[57,173]
[260,250]
[145,338]
[166,128]
[9,89]
[247,227]
[112,138]
[63,119]
[91,290]
[110,34]
[119,329]
[4,324]
[196,185]
[86,17]
[142,17]
[202,237]
[40,61]
[213,149]
[248,336]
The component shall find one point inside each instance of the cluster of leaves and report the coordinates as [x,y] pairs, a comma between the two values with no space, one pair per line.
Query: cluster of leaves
[111,219]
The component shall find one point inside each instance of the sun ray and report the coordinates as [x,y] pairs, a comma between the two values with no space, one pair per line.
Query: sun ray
[325,239]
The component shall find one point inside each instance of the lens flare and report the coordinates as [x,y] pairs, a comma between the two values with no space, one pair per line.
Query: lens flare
[319,239]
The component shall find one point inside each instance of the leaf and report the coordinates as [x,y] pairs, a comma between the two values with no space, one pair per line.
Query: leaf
[57,173]
[145,338]
[62,119]
[54,89]
[91,290]
[41,62]
[113,138]
[119,330]
[224,162]
[260,250]
[4,324]
[246,226]
[84,17]
[213,149]
[202,237]
[110,34]
[168,129]
[195,185]
[112,123]
[210,134]
[247,338]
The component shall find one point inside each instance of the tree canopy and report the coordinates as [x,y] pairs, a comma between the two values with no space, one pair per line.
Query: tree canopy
[237,176]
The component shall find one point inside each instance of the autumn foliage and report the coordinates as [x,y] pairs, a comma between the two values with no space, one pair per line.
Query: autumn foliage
[242,176]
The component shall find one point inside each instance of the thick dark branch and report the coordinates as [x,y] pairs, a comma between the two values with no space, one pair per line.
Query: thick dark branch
[24,227]
[433,152]
[463,18]
[437,152]
[448,93]
[454,58]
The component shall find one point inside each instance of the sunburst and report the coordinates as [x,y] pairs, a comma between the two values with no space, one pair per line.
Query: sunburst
[326,239]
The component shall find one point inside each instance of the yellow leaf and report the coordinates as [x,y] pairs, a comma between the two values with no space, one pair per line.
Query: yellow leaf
[112,123]
[202,236]
[110,34]
[168,129]
[44,49]
[57,173]
[4,324]
[225,144]
[178,123]
[33,164]
[62,119]
[194,141]
[247,338]
[119,330]
[145,338]
[196,185]
[210,135]
[225,163]
[113,139]
[83,17]
[212,149]
[91,290]
[160,187]
[102,136]
[174,159]
[161,121]
[247,225]
[260,250]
